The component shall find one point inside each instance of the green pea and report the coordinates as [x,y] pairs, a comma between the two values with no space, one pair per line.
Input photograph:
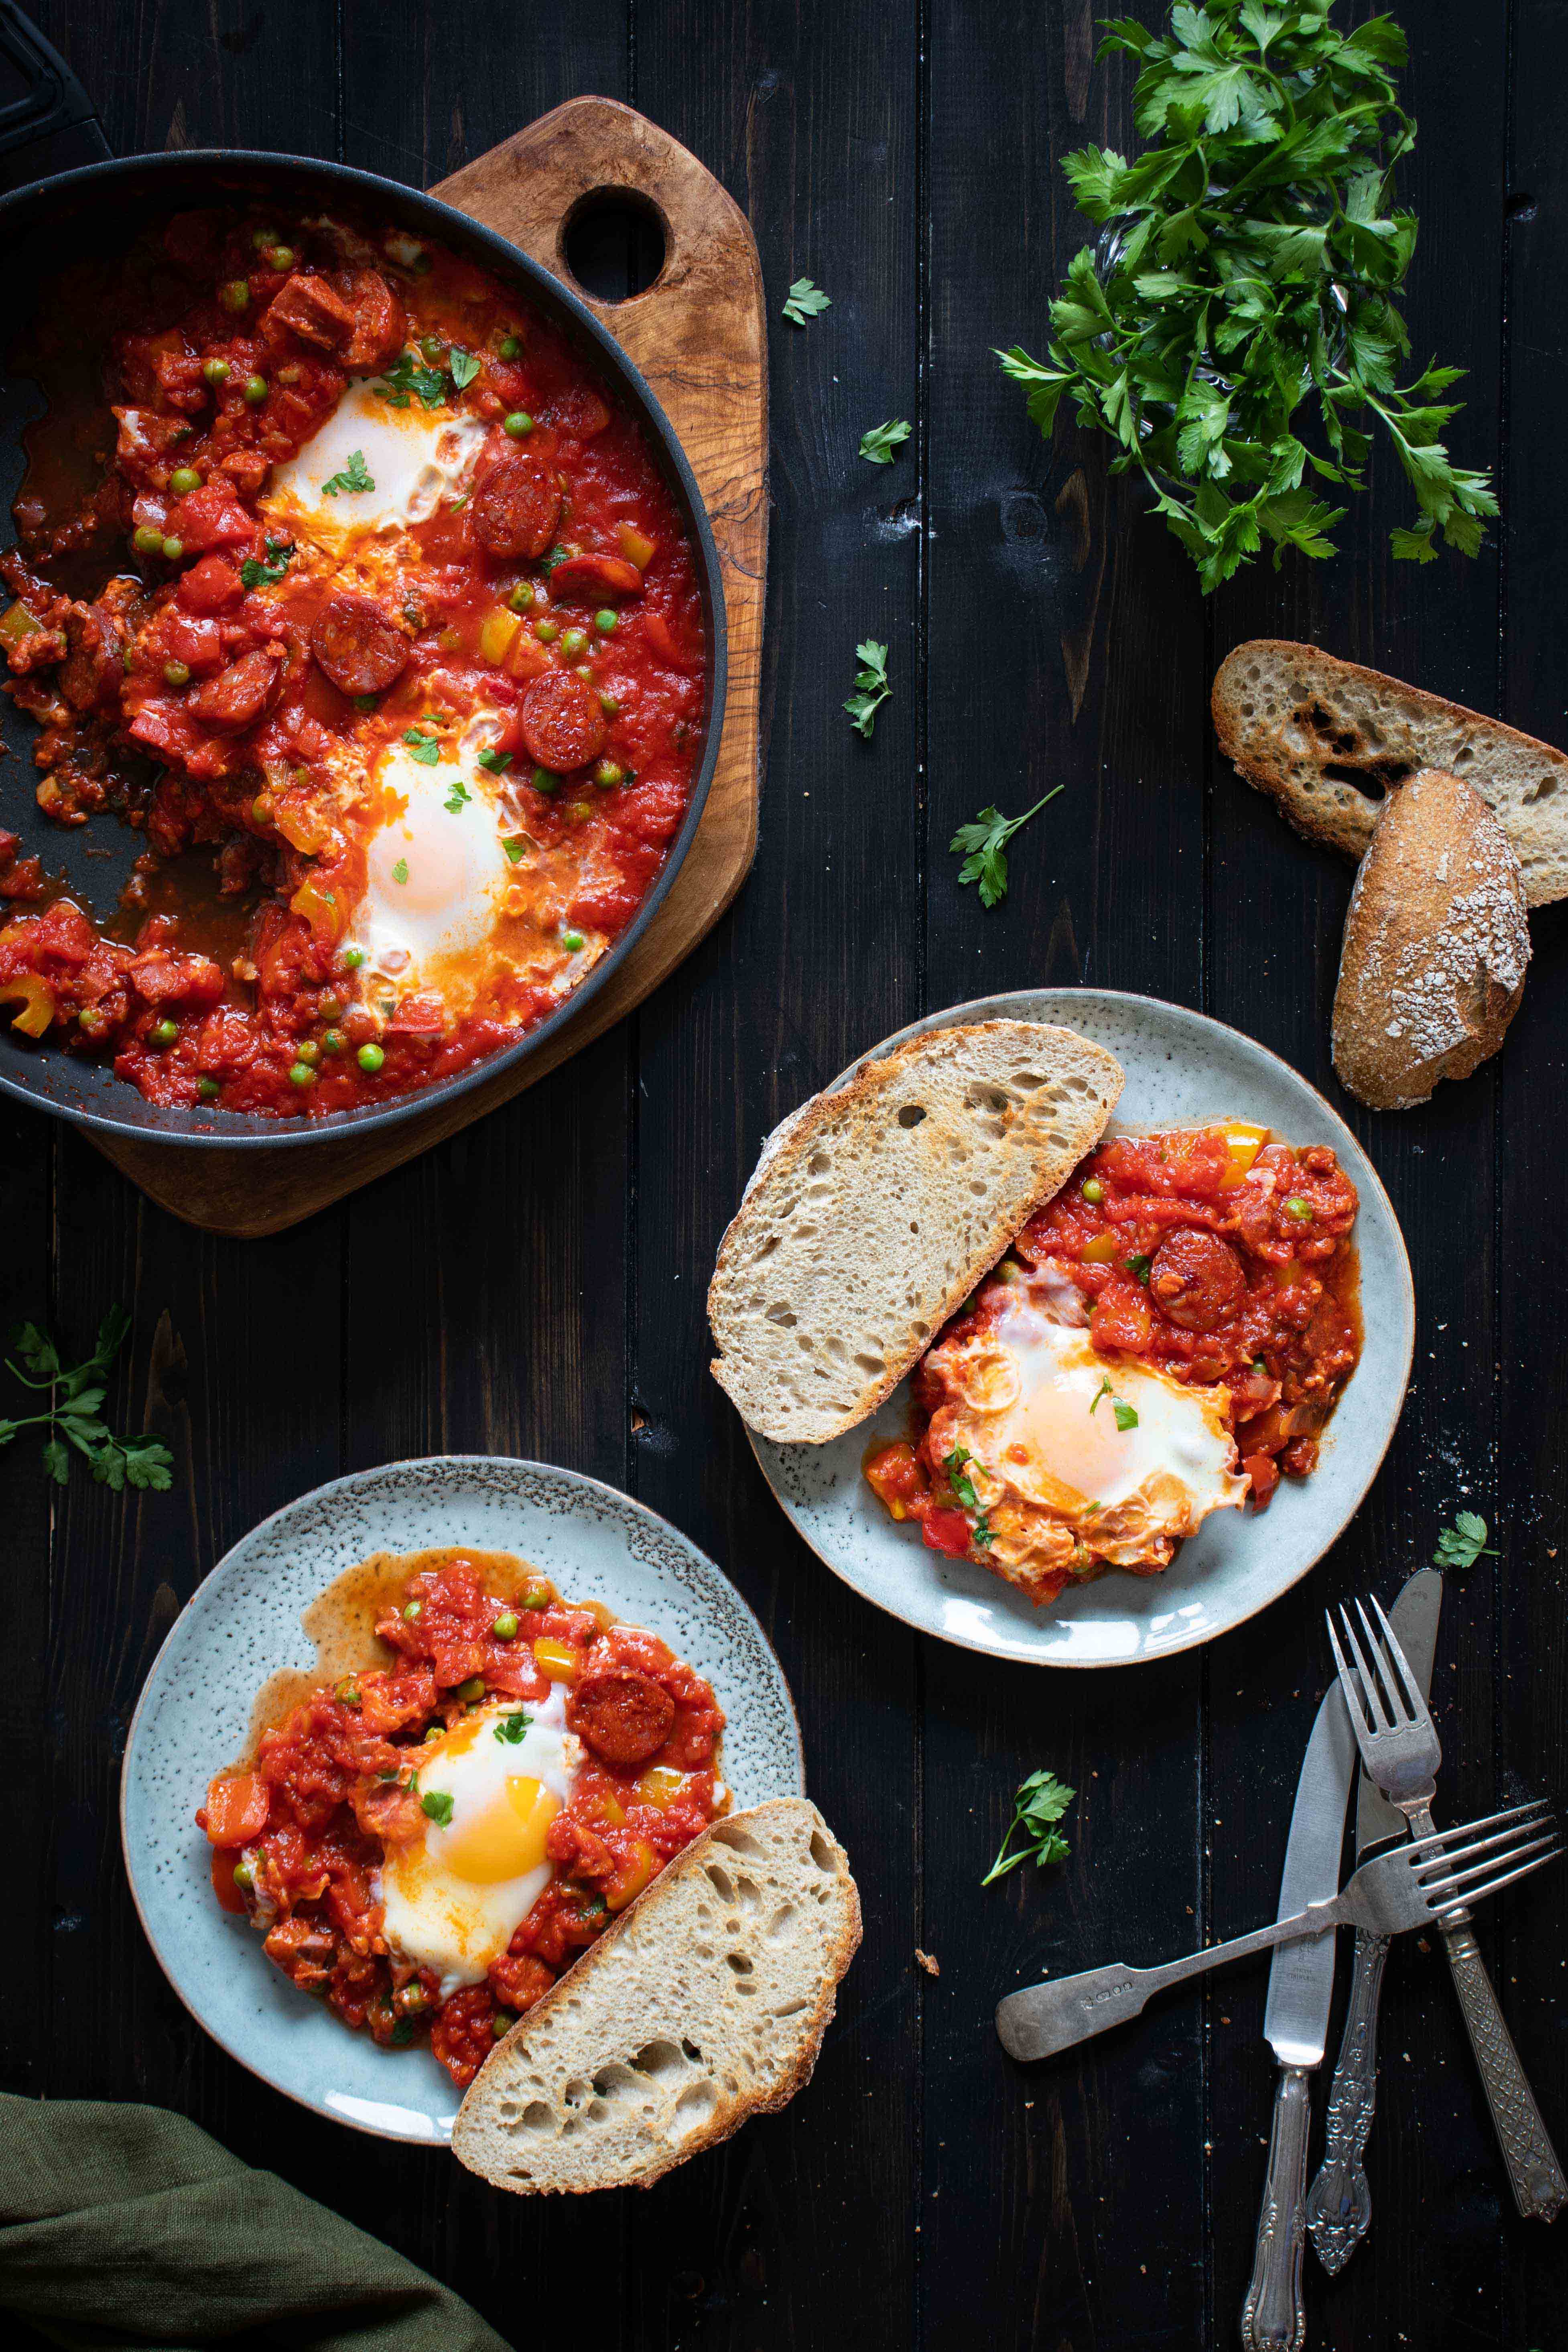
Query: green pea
[147,539]
[369,1059]
[436,1731]
[521,597]
[518,426]
[216,370]
[171,550]
[542,781]
[547,631]
[501,2023]
[412,1609]
[309,1052]
[278,257]
[347,1693]
[255,391]
[607,773]
[605,622]
[301,1075]
[508,347]
[473,1689]
[432,346]
[609,706]
[571,941]
[208,1089]
[352,959]
[1094,1191]
[1298,1209]
[236,295]
[243,1876]
[332,1043]
[328,1008]
[573,642]
[176,673]
[262,237]
[536,1597]
[183,480]
[505,1627]
[163,1033]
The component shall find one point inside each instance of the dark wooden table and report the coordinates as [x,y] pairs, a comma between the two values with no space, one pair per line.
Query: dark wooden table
[536,1286]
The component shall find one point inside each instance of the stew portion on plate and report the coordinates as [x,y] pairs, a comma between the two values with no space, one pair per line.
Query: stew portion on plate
[342,578]
[430,1841]
[1166,1338]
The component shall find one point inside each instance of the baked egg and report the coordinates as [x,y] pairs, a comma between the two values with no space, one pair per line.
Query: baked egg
[452,1896]
[405,462]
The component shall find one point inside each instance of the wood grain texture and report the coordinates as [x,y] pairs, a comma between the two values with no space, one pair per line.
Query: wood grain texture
[697,335]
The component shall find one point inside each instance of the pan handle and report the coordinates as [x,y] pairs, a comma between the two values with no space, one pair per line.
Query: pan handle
[47,121]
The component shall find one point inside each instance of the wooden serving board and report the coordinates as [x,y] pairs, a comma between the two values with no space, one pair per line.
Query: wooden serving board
[698,336]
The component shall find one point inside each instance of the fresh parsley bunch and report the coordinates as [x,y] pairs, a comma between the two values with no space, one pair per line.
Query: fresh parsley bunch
[1243,291]
[71,1414]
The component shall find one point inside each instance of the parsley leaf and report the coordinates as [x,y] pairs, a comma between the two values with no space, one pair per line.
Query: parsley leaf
[983,844]
[458,799]
[1235,325]
[871,687]
[1462,1545]
[1039,1804]
[516,849]
[463,365]
[253,573]
[1138,1267]
[878,446]
[427,385]
[423,747]
[963,1486]
[1125,1416]
[498,762]
[400,871]
[804,301]
[511,1728]
[71,1417]
[355,477]
[437,1805]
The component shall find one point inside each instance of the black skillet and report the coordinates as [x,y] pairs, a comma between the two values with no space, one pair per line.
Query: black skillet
[47,125]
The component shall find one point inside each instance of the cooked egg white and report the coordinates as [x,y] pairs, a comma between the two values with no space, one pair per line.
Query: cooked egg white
[453,1896]
[412,457]
[438,877]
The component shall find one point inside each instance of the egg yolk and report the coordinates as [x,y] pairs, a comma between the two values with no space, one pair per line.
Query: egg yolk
[507,1838]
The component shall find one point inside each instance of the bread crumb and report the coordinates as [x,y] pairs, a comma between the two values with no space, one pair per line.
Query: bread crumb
[924,1960]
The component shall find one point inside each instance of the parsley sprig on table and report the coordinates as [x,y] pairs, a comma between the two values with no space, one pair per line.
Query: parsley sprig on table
[1036,1808]
[71,1415]
[982,846]
[871,688]
[1245,279]
[804,301]
[1462,1545]
[879,442]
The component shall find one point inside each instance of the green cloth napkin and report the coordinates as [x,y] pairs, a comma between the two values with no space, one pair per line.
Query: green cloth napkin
[124,2229]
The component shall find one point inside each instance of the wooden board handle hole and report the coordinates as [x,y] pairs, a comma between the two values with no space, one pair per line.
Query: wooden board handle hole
[614,245]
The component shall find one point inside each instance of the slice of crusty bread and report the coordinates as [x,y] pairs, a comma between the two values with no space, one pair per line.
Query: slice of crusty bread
[1325,740]
[875,1211]
[1436,942]
[705,2003]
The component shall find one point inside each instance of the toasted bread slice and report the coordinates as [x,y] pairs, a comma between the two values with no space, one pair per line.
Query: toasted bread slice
[1436,942]
[875,1211]
[705,2003]
[1326,740]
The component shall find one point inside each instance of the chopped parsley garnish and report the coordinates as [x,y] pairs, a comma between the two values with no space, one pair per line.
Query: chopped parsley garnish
[399,874]
[458,799]
[517,848]
[463,365]
[804,301]
[355,477]
[498,762]
[983,846]
[1462,1545]
[511,1728]
[1138,1267]
[253,573]
[427,385]
[878,446]
[547,563]
[963,1486]
[1036,1808]
[438,1804]
[871,688]
[71,1415]
[1125,1416]
[423,747]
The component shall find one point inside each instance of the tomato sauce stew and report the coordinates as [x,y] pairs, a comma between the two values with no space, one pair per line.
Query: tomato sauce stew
[343,578]
[430,1841]
[1213,1259]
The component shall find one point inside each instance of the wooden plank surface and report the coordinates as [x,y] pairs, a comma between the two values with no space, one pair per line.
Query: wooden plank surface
[535,1283]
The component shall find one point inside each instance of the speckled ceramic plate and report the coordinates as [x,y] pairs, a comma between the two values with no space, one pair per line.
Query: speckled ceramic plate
[194,1711]
[1182,1069]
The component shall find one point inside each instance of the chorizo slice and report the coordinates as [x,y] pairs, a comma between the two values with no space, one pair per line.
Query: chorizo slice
[358,647]
[561,723]
[380,323]
[239,695]
[623,1716]
[515,508]
[593,576]
[1196,1279]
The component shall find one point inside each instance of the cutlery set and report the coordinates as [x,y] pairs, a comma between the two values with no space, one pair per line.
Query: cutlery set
[1409,1874]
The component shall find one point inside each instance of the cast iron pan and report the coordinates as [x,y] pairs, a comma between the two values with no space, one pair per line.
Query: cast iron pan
[46,122]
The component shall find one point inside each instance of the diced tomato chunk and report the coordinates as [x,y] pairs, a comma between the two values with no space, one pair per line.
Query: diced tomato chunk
[210,585]
[211,516]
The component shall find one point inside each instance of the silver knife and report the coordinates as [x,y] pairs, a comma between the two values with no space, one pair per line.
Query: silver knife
[1338,2203]
[1296,2024]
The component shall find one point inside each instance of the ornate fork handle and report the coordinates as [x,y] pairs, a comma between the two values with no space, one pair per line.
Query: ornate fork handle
[1273,2318]
[1339,2204]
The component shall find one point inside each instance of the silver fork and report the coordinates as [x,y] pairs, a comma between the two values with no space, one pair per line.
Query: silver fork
[1401,1751]
[1412,1886]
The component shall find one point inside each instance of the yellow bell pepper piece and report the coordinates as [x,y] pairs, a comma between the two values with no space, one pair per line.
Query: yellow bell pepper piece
[661,1783]
[1243,1144]
[645,1862]
[637,547]
[496,632]
[36,999]
[560,1661]
[1101,1250]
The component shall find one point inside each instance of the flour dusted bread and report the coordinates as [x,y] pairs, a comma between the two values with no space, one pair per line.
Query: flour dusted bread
[705,2003]
[1326,739]
[1435,946]
[875,1212]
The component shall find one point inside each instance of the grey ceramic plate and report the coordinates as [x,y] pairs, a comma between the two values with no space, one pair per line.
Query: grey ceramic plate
[192,1718]
[1182,1069]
